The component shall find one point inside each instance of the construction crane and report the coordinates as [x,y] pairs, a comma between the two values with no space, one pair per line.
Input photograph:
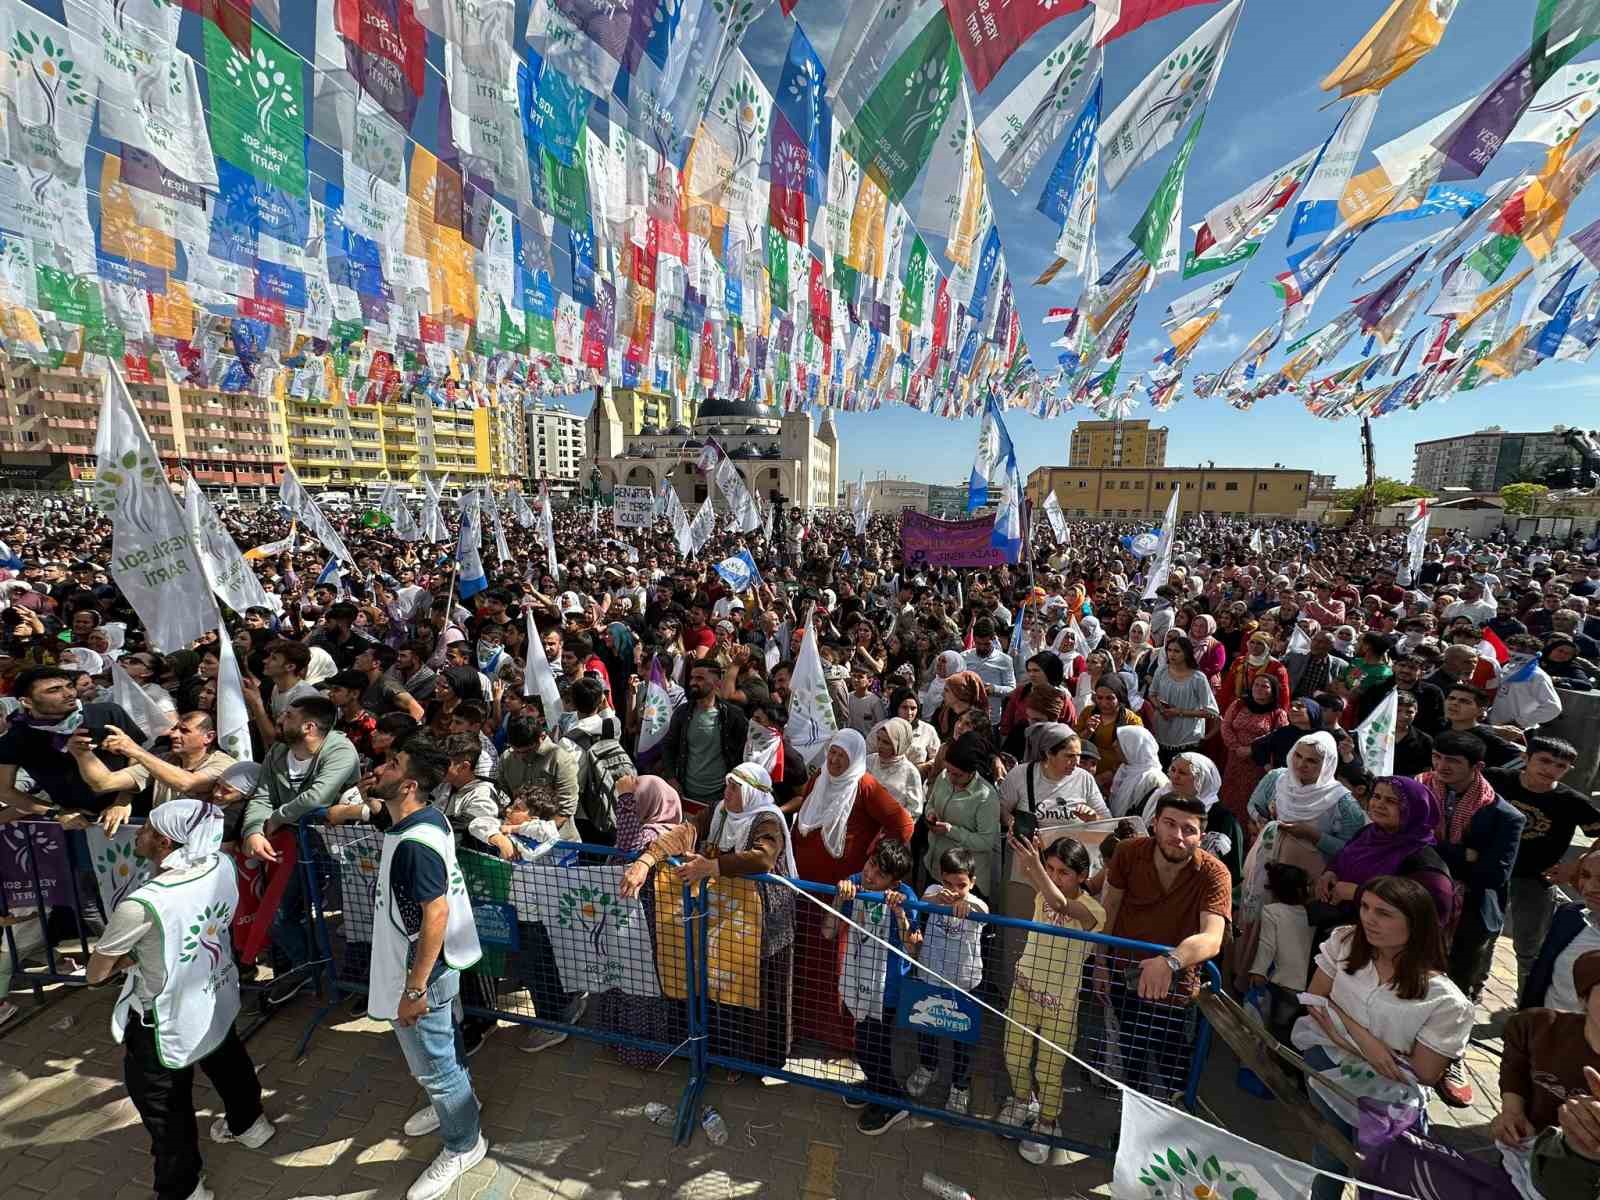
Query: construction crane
[1365,510]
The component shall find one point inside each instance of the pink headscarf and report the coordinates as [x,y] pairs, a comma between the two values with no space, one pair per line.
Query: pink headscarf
[657,809]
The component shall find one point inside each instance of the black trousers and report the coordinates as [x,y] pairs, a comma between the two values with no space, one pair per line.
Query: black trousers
[1471,956]
[875,1054]
[165,1100]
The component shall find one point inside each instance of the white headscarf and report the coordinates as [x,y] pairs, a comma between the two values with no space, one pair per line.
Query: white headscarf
[762,747]
[1296,801]
[951,662]
[1208,783]
[1140,769]
[193,826]
[730,831]
[833,797]
[1093,634]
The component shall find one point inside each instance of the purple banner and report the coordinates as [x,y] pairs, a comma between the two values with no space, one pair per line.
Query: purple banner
[1476,137]
[32,850]
[929,542]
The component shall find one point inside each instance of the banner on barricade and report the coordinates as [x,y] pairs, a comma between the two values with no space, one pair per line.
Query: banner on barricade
[733,939]
[939,1011]
[601,940]
[117,870]
[358,852]
[33,865]
[261,888]
[488,880]
[1164,1152]
[633,507]
[929,542]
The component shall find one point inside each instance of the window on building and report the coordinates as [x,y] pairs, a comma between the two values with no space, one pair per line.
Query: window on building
[1230,487]
[1083,483]
[1138,485]
[1161,485]
[1211,487]
[1261,487]
[1299,487]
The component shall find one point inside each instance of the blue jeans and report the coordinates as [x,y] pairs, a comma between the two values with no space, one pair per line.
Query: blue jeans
[433,1056]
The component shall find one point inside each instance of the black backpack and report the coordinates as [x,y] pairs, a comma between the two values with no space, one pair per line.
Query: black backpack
[602,761]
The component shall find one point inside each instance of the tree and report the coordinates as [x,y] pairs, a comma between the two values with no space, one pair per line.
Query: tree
[1523,497]
[1385,491]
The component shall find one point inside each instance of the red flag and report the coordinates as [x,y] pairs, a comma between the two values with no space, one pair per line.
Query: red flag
[386,51]
[261,887]
[1502,652]
[1140,12]
[232,17]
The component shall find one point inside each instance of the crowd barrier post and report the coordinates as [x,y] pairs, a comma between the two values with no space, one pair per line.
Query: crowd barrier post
[23,842]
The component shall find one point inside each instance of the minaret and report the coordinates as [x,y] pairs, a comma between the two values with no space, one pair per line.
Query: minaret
[828,436]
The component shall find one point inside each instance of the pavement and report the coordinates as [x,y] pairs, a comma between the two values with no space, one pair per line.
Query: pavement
[565,1123]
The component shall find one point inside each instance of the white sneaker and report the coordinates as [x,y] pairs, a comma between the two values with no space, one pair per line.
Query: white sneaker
[7,1011]
[444,1170]
[575,1009]
[422,1122]
[1040,1153]
[919,1081]
[257,1136]
[1016,1114]
[960,1100]
[201,1191]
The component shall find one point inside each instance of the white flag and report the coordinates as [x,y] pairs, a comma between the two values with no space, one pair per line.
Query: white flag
[1252,212]
[153,555]
[227,572]
[1206,296]
[1174,92]
[703,526]
[811,724]
[1057,519]
[233,717]
[433,526]
[538,679]
[501,548]
[1298,643]
[522,510]
[1375,737]
[1162,1151]
[133,700]
[746,519]
[300,504]
[1161,560]
[860,510]
[1416,544]
[1022,126]
[547,521]
[1338,158]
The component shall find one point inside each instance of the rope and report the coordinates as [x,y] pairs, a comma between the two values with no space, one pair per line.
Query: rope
[1061,1050]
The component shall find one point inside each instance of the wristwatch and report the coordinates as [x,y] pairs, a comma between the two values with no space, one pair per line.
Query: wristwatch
[415,993]
[1172,961]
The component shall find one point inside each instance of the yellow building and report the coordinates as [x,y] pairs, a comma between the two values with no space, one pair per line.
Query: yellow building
[1117,444]
[1133,492]
[331,438]
[639,409]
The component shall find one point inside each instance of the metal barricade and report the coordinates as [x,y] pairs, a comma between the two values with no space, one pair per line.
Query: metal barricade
[50,912]
[921,1046]
[560,952]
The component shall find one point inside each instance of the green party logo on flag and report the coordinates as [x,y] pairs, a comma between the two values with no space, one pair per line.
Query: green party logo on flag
[916,283]
[1173,1174]
[43,67]
[258,107]
[73,298]
[895,131]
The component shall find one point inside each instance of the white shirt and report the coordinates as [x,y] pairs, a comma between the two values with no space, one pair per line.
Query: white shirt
[1441,1020]
[1480,612]
[1053,799]
[998,673]
[1562,994]
[1527,704]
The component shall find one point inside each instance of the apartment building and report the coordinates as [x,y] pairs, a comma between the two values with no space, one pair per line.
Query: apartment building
[1489,459]
[556,445]
[1117,444]
[1133,493]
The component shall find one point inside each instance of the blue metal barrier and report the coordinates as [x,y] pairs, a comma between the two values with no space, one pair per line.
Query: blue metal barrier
[742,982]
[23,842]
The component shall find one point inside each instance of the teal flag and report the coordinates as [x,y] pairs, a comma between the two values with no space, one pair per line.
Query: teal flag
[258,107]
[1157,232]
[895,131]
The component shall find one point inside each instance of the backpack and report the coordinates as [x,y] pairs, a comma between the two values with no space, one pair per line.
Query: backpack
[602,761]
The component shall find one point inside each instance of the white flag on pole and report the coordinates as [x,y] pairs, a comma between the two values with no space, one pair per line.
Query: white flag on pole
[233,717]
[300,504]
[547,522]
[538,679]
[501,547]
[153,554]
[1375,737]
[1161,565]
[1057,519]
[702,527]
[811,724]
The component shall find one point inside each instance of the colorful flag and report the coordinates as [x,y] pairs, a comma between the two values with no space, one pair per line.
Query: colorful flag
[1159,230]
[894,131]
[1405,33]
[470,575]
[258,107]
[1024,124]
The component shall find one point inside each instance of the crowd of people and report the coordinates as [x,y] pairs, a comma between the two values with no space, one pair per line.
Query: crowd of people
[1210,734]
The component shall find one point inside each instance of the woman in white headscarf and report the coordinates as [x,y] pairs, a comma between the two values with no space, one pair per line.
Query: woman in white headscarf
[1140,776]
[1193,776]
[745,834]
[194,827]
[1305,817]
[890,764]
[844,813]
[948,663]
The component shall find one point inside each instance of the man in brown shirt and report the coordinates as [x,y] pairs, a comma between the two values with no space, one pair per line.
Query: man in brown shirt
[1163,889]
[1545,1054]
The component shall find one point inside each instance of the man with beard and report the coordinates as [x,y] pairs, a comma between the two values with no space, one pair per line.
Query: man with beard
[36,741]
[705,739]
[423,938]
[1164,889]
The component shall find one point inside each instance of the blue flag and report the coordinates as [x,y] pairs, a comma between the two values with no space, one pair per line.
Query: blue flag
[801,102]
[470,577]
[739,571]
[1072,166]
[330,572]
[1555,329]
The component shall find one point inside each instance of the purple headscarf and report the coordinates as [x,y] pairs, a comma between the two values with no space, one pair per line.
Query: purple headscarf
[1374,851]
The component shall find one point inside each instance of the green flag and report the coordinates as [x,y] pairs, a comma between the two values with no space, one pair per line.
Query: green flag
[1158,230]
[895,131]
[258,107]
[488,881]
[916,283]
[568,189]
[1193,266]
[778,268]
[1562,29]
[1493,257]
[75,299]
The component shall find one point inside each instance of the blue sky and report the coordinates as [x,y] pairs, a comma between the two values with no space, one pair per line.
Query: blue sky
[1266,109]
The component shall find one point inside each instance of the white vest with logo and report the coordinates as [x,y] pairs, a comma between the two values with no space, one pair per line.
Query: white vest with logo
[391,944]
[195,1009]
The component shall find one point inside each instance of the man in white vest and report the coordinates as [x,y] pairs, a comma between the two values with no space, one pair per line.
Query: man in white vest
[422,939]
[176,1011]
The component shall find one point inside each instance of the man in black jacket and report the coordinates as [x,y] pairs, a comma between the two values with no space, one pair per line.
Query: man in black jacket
[705,739]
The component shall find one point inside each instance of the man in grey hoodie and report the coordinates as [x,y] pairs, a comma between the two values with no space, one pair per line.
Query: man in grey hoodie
[310,766]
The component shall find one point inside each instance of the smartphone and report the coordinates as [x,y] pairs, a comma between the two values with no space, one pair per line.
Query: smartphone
[1024,825]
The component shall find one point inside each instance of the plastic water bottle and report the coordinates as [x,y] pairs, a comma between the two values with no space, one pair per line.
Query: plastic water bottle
[658,1113]
[716,1129]
[943,1188]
